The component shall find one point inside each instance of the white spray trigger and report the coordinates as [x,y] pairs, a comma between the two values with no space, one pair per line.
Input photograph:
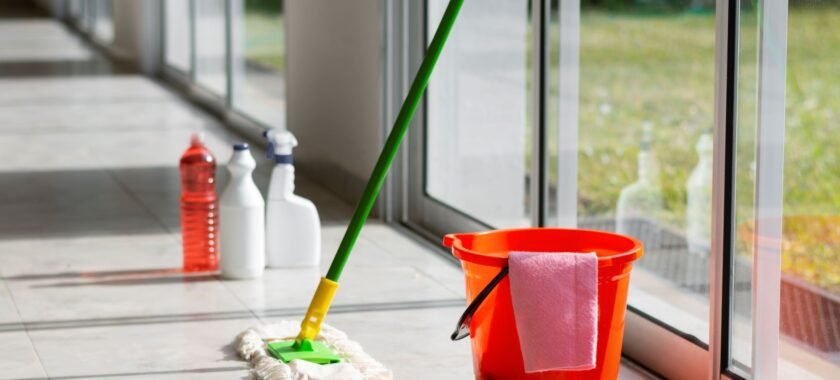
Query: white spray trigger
[281,142]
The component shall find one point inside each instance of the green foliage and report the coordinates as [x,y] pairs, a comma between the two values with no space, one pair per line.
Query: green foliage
[810,249]
[264,6]
[264,44]
[660,70]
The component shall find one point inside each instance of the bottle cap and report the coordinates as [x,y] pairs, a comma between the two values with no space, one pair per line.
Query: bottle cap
[240,147]
[197,138]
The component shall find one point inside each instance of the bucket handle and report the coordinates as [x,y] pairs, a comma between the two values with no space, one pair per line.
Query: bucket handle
[462,329]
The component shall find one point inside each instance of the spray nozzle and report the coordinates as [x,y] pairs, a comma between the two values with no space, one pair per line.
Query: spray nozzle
[281,142]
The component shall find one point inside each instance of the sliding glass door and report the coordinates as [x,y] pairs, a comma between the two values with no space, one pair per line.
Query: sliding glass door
[699,127]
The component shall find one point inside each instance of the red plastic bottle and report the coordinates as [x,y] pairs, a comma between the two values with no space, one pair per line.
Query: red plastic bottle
[199,207]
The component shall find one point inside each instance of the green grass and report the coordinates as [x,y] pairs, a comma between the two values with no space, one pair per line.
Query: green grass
[659,69]
[264,41]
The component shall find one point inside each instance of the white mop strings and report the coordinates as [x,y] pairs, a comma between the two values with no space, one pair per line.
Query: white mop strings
[357,365]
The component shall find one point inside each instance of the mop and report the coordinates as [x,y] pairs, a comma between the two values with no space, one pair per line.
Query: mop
[333,354]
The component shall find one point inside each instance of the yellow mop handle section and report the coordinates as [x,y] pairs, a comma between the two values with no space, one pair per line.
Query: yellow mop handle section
[318,308]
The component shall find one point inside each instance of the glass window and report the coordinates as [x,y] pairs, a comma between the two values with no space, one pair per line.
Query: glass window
[630,142]
[74,9]
[103,25]
[178,39]
[210,50]
[259,61]
[810,280]
[477,117]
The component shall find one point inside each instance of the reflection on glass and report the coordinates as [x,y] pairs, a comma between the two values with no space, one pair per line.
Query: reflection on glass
[698,214]
[177,21]
[476,120]
[211,63]
[638,129]
[259,61]
[640,203]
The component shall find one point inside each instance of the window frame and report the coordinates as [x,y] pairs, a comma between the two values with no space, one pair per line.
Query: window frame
[647,341]
[223,105]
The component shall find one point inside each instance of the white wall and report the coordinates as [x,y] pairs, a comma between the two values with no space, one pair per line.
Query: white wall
[334,94]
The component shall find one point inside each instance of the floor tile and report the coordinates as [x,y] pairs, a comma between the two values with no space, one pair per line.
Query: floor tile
[18,359]
[85,117]
[37,152]
[63,259]
[141,349]
[95,91]
[68,203]
[122,296]
[8,312]
[288,292]
[421,255]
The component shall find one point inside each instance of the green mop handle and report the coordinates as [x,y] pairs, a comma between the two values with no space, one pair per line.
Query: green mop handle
[415,94]
[311,324]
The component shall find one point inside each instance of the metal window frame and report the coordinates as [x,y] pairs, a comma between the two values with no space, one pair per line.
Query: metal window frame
[568,109]
[769,187]
[540,14]
[723,185]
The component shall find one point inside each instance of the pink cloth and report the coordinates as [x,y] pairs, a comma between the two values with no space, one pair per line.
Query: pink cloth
[555,304]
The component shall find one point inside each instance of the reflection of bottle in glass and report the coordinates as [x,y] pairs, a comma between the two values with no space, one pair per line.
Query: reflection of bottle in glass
[640,201]
[698,213]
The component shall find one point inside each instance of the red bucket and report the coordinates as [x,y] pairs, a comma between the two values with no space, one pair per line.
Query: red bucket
[495,342]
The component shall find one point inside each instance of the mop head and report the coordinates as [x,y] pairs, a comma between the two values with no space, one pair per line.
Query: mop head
[357,364]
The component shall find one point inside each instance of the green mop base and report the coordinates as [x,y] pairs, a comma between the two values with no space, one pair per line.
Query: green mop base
[309,350]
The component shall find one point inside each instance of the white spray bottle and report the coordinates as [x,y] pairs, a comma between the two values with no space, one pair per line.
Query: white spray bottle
[242,220]
[293,237]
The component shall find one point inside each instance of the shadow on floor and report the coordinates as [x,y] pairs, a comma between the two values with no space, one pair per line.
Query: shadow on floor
[73,203]
[115,201]
[63,68]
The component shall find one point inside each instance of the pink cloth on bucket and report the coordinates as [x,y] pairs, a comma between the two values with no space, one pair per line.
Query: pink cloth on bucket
[555,304]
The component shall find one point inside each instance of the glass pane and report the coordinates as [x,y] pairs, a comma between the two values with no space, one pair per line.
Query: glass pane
[260,61]
[477,120]
[178,39]
[642,113]
[810,288]
[103,26]
[75,9]
[741,323]
[211,64]
[88,13]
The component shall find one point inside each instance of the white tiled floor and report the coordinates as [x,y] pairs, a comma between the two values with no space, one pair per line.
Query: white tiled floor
[89,242]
